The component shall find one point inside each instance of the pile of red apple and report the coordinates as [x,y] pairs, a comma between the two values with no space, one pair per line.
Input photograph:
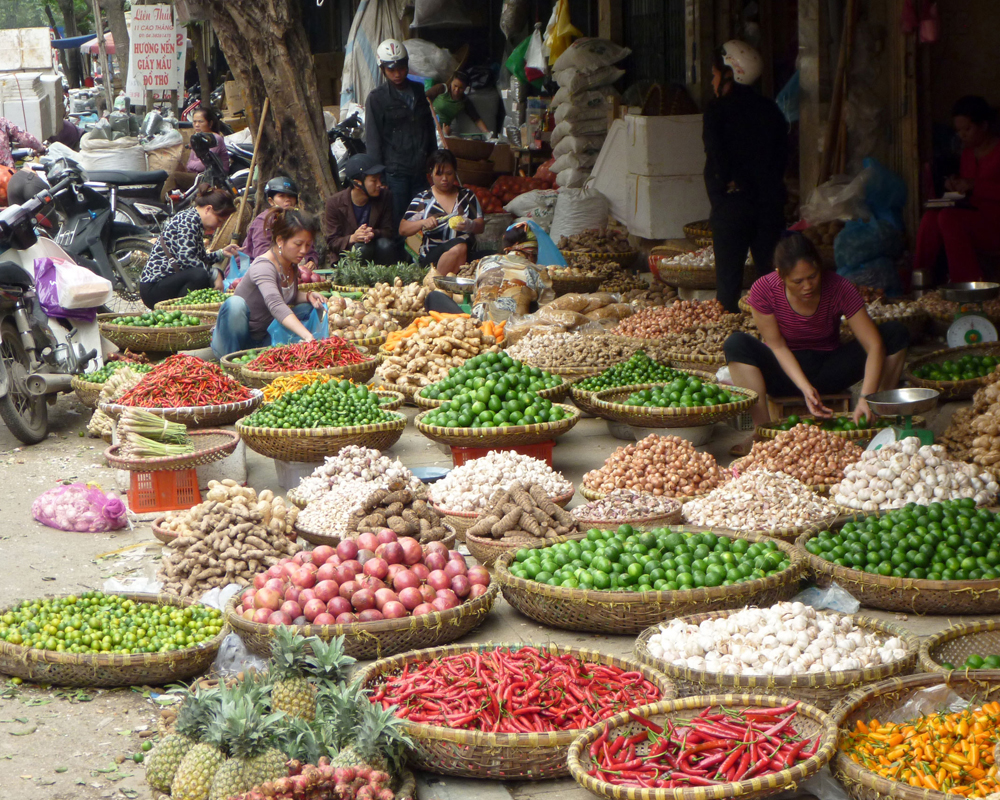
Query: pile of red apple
[373,577]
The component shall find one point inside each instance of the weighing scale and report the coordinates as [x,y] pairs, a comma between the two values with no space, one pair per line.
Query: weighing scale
[970,325]
[462,286]
[902,403]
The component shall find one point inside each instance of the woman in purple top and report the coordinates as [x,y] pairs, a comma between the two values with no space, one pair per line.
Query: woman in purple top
[203,120]
[798,310]
[281,192]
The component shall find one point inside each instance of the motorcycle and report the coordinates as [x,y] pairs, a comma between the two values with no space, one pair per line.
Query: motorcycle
[346,139]
[39,355]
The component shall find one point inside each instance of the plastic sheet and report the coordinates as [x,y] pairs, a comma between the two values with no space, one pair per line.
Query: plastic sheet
[834,598]
[79,507]
[932,700]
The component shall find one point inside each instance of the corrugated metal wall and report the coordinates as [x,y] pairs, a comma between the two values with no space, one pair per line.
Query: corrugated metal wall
[654,29]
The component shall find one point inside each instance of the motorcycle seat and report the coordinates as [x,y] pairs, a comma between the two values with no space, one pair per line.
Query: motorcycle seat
[127,177]
[12,274]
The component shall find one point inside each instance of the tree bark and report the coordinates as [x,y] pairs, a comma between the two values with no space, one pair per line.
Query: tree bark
[267,49]
[198,32]
[73,64]
[115,11]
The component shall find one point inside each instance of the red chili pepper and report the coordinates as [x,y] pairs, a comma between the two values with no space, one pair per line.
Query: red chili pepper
[645,722]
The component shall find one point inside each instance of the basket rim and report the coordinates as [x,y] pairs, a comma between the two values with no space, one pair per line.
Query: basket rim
[174,305]
[398,422]
[950,354]
[104,321]
[558,499]
[770,432]
[562,388]
[256,397]
[695,358]
[594,522]
[480,738]
[640,413]
[956,631]
[217,452]
[703,375]
[341,370]
[474,434]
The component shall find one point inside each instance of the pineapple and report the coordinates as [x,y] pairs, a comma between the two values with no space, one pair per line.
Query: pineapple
[290,691]
[196,772]
[374,739]
[193,718]
[249,734]
[328,664]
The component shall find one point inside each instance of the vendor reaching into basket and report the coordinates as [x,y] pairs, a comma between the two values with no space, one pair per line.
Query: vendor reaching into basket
[270,289]
[798,310]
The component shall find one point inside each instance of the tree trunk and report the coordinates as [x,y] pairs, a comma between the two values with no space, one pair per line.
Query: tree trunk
[198,36]
[115,11]
[74,66]
[267,50]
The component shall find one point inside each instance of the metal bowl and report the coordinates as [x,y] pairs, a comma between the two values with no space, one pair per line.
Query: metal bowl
[902,402]
[454,284]
[974,292]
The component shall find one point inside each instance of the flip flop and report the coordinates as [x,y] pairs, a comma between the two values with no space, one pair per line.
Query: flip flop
[741,449]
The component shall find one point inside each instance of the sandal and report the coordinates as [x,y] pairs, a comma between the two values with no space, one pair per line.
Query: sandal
[742,448]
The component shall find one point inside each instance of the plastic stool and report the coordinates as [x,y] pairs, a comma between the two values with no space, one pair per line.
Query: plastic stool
[163,490]
[542,451]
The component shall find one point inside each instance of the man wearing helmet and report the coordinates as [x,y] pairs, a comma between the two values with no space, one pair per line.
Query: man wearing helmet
[746,149]
[360,217]
[399,127]
[281,192]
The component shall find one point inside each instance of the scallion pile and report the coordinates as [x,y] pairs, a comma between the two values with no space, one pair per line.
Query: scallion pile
[147,435]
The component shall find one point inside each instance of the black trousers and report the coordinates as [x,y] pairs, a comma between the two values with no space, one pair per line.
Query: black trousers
[177,284]
[381,251]
[442,303]
[741,224]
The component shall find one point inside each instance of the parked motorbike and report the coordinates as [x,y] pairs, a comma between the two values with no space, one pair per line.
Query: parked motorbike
[39,355]
[346,139]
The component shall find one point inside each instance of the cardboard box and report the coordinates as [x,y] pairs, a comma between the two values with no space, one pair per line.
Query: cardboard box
[234,98]
[502,158]
[236,123]
[664,146]
[660,207]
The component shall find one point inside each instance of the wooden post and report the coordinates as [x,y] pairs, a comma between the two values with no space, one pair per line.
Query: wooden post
[103,52]
[811,55]
[174,103]
[253,167]
[833,122]
[609,20]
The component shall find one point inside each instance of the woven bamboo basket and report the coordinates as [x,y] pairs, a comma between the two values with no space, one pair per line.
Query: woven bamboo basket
[177,305]
[359,373]
[810,722]
[701,229]
[316,286]
[584,398]
[860,435]
[461,521]
[349,289]
[315,444]
[317,539]
[822,689]
[584,284]
[161,533]
[486,550]
[159,340]
[786,534]
[952,390]
[569,373]
[513,436]
[879,701]
[957,642]
[390,401]
[112,669]
[745,306]
[199,416]
[606,404]
[639,523]
[210,446]
[624,260]
[685,276]
[233,369]
[494,756]
[409,392]
[917,596]
[595,611]
[87,392]
[368,640]
[696,361]
[555,395]
[371,344]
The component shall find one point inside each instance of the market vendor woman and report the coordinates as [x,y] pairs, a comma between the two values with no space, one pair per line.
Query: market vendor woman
[798,309]
[270,289]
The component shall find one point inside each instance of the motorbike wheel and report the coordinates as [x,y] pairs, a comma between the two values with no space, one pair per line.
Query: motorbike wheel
[128,257]
[26,415]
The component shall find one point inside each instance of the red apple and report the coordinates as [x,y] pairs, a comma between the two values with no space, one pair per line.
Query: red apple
[392,552]
[259,580]
[347,549]
[436,547]
[404,579]
[324,619]
[302,557]
[327,590]
[453,568]
[343,574]
[338,605]
[321,554]
[291,608]
[292,593]
[248,614]
[443,603]
[276,571]
[478,575]
[347,618]
[275,585]
[268,598]
[448,595]
[454,555]
[370,583]
[313,609]
[305,578]
[334,560]
[261,615]
[279,618]
[354,565]
[439,579]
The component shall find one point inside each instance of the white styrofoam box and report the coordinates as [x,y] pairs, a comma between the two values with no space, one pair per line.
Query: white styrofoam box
[608,175]
[32,114]
[25,48]
[664,146]
[52,87]
[659,208]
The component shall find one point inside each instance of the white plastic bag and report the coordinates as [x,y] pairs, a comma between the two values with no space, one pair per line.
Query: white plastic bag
[575,80]
[833,598]
[78,287]
[589,54]
[573,178]
[167,137]
[839,198]
[429,61]
[121,154]
[573,112]
[578,210]
[525,203]
[564,96]
[581,127]
[590,145]
[574,161]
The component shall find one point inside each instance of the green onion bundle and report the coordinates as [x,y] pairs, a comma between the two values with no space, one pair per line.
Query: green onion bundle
[151,426]
[136,446]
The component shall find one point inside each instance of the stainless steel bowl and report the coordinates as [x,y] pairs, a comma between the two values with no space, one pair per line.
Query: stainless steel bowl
[902,402]
[454,284]
[974,292]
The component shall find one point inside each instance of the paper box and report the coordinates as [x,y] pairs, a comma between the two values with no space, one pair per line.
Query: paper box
[664,146]
[659,208]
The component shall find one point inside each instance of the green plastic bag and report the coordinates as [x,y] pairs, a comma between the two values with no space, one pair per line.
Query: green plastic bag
[515,62]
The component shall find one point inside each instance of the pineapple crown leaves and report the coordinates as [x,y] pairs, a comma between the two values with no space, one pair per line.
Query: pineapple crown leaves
[381,732]
[288,654]
[247,730]
[337,707]
[301,741]
[328,662]
[197,712]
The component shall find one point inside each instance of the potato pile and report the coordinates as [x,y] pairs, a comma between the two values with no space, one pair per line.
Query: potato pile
[230,537]
[974,432]
[655,323]
[596,240]
[550,350]
[660,465]
[522,512]
[824,233]
[397,297]
[350,319]
[399,508]
[426,356]
[813,456]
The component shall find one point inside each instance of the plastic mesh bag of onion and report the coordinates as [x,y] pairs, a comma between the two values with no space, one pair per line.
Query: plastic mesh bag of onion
[79,507]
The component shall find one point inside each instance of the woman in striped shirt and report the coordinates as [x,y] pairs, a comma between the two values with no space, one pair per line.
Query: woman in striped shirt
[798,310]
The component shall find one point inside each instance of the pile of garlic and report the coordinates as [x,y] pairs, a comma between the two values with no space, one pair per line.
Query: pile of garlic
[785,639]
[905,472]
[350,464]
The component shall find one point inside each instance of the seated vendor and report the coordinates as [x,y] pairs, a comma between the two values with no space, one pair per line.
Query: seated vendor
[283,193]
[973,226]
[449,100]
[449,215]
[270,289]
[360,217]
[798,309]
[203,120]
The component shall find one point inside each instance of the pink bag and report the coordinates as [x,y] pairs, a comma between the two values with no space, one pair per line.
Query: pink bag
[79,507]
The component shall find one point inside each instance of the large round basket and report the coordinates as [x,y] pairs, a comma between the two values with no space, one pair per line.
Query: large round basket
[858,435]
[336,287]
[162,534]
[494,756]
[315,444]
[786,534]
[687,276]
[632,612]
[917,596]
[87,392]
[584,398]
[159,340]
[409,392]
[702,229]
[233,368]
[810,722]
[332,540]
[649,523]
[952,390]
[112,669]
[569,373]
[883,700]
[390,401]
[583,284]
[368,640]
[486,550]
[199,416]
[555,395]
[359,373]
[957,643]
[316,286]
[461,521]
[607,404]
[680,359]
[367,344]
[823,689]
[177,305]
[513,436]
[624,260]
[209,446]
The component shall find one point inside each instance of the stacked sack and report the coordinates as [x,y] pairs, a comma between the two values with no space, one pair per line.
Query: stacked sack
[585,73]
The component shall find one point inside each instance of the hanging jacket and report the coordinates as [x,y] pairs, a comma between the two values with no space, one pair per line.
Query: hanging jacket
[399,128]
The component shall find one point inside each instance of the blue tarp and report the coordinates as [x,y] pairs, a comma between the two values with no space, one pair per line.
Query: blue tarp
[74,41]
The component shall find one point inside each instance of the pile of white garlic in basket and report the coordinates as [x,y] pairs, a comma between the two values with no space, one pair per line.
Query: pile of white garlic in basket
[786,639]
[470,486]
[353,463]
[905,472]
[702,257]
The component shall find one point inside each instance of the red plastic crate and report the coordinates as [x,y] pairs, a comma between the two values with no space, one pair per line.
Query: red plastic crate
[541,451]
[163,490]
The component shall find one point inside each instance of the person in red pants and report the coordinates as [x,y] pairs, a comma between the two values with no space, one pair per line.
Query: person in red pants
[974,226]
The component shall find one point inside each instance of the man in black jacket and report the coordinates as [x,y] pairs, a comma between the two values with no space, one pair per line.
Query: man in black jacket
[746,148]
[399,128]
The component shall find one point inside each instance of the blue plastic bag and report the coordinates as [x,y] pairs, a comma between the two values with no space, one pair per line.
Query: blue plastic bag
[860,242]
[238,266]
[316,322]
[885,193]
[788,99]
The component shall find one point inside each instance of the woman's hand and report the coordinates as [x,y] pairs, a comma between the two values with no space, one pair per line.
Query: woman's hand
[429,223]
[231,250]
[815,403]
[219,281]
[862,410]
[316,299]
[956,184]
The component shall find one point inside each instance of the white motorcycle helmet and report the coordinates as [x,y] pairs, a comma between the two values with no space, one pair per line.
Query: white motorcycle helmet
[743,60]
[391,54]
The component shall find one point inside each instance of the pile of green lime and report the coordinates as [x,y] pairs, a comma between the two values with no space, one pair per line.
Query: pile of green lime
[94,622]
[949,541]
[966,368]
[843,423]
[680,393]
[641,561]
[248,356]
[199,297]
[334,404]
[640,368]
[976,661]
[159,319]
[109,369]
[478,371]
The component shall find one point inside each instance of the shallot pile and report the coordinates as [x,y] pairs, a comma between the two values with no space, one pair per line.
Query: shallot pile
[660,465]
[814,456]
[654,322]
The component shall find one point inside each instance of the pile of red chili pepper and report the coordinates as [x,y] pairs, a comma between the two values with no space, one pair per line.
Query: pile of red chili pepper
[181,381]
[317,354]
[513,691]
[718,746]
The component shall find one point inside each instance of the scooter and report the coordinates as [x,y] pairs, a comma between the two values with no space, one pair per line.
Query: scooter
[346,139]
[39,355]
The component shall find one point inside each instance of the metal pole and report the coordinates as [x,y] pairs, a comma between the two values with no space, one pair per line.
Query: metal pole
[102,50]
